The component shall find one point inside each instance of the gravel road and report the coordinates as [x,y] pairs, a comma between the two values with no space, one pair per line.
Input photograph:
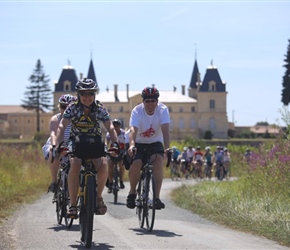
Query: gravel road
[34,227]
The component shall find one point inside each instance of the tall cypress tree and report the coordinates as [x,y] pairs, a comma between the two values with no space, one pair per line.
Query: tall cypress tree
[286,78]
[38,95]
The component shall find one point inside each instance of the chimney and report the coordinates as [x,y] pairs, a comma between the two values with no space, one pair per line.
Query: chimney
[127,87]
[81,76]
[183,89]
[116,92]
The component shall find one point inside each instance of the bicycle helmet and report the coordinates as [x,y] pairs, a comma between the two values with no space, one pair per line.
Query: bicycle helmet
[116,122]
[66,99]
[86,85]
[207,148]
[150,93]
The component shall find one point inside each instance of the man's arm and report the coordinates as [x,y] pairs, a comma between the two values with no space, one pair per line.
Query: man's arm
[166,136]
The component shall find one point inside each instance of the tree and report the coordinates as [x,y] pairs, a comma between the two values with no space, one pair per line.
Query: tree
[286,78]
[38,94]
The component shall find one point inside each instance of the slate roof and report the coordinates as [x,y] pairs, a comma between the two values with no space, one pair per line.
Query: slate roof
[195,77]
[165,96]
[68,74]
[91,72]
[212,74]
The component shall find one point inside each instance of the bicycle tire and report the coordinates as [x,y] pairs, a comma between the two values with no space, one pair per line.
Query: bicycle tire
[66,203]
[115,185]
[150,196]
[58,203]
[140,203]
[87,211]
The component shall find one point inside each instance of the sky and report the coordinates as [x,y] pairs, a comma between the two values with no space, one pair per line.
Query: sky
[141,43]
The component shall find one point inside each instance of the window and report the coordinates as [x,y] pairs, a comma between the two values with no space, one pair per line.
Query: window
[192,123]
[170,109]
[192,109]
[109,109]
[212,123]
[180,109]
[181,123]
[67,86]
[211,104]
[121,109]
[212,86]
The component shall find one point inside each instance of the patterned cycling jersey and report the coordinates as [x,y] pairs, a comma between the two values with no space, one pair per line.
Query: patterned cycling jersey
[90,124]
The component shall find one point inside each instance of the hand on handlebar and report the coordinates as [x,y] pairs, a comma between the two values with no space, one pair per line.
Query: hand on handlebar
[132,151]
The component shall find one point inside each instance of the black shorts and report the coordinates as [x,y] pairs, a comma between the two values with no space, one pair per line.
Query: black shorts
[156,147]
[88,147]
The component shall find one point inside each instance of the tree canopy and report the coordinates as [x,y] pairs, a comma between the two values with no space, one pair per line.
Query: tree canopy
[286,78]
[38,95]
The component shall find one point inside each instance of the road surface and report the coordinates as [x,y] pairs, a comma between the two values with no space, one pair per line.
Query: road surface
[35,227]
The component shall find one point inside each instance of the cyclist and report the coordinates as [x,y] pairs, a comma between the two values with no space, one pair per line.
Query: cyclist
[248,156]
[226,160]
[149,128]
[184,161]
[208,162]
[218,158]
[121,139]
[175,160]
[63,102]
[85,116]
[198,161]
[190,152]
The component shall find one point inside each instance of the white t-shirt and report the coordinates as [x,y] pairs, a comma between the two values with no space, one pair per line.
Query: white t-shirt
[149,126]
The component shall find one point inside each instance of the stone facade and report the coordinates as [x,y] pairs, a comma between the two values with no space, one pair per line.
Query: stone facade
[200,107]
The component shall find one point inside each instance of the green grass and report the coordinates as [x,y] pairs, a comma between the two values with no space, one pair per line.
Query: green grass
[24,175]
[232,203]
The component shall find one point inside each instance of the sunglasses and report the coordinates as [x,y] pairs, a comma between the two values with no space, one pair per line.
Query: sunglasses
[150,100]
[87,93]
[63,106]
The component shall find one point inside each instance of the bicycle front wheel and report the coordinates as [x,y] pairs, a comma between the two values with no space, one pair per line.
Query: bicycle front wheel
[87,211]
[140,203]
[149,202]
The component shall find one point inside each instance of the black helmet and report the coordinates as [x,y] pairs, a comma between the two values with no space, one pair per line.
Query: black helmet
[150,93]
[86,85]
[116,122]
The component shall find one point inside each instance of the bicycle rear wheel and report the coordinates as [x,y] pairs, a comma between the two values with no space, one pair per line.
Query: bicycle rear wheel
[140,203]
[149,202]
[87,211]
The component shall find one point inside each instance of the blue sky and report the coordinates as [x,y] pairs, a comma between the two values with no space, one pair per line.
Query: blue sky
[144,42]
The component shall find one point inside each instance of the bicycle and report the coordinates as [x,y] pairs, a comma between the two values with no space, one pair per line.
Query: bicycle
[61,195]
[208,170]
[219,171]
[174,170]
[115,160]
[146,193]
[86,199]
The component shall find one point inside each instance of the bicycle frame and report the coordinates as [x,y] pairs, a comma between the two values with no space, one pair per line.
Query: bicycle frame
[146,194]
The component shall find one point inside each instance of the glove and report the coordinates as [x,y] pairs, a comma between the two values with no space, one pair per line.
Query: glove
[116,145]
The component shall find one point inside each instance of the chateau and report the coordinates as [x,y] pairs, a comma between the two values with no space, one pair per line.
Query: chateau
[200,107]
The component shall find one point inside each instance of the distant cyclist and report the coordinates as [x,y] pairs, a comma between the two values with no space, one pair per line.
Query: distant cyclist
[63,102]
[121,139]
[208,162]
[248,156]
[198,161]
[226,160]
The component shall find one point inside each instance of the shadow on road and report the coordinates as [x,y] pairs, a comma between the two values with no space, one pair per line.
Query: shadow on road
[158,233]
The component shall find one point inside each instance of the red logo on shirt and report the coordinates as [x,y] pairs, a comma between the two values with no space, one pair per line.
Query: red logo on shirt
[148,133]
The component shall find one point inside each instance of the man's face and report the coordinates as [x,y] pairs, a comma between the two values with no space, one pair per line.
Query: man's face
[150,105]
